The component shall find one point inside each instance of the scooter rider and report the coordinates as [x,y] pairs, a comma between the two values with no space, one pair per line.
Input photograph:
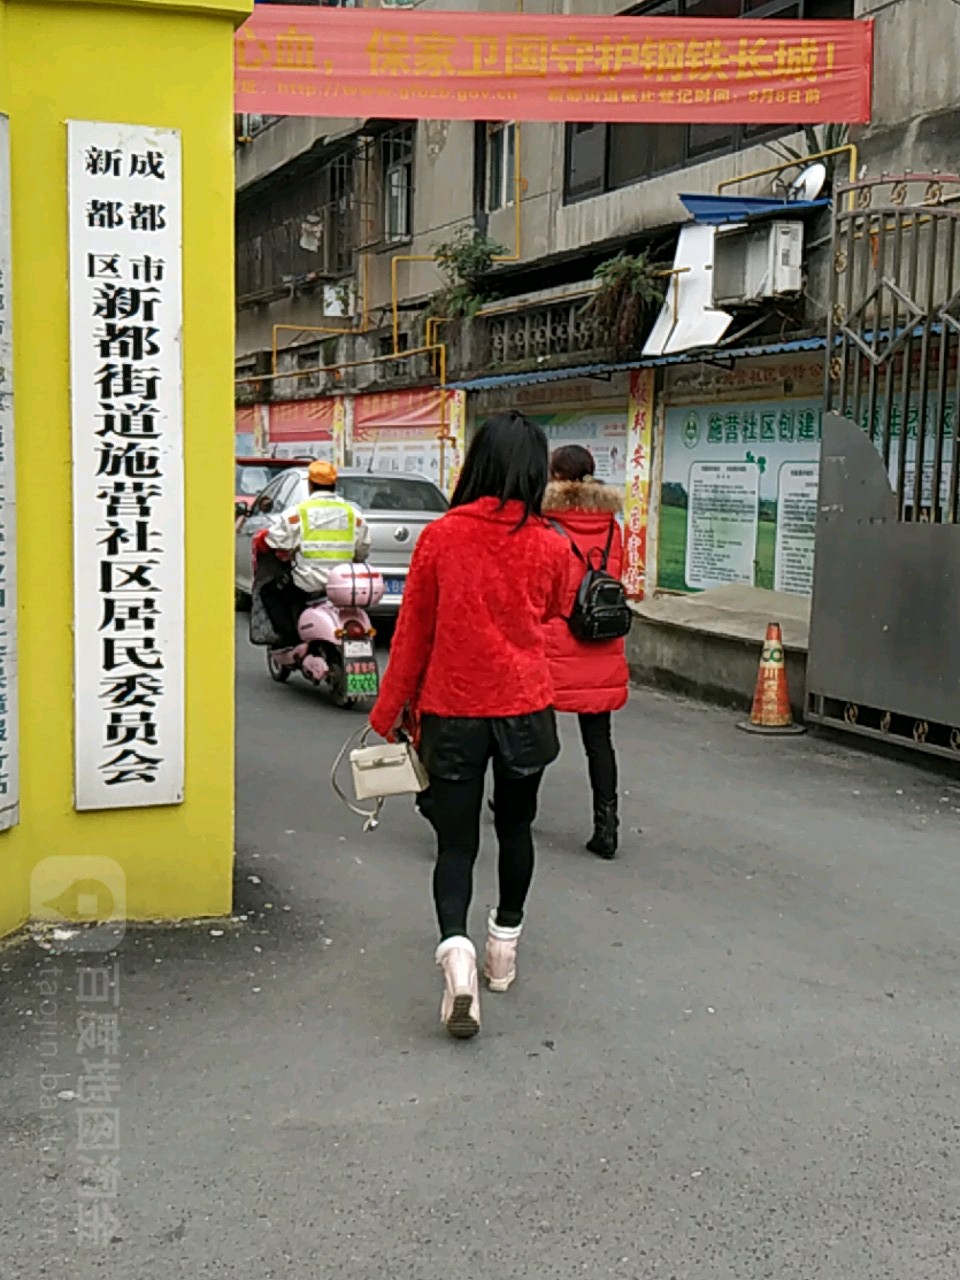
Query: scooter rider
[320,533]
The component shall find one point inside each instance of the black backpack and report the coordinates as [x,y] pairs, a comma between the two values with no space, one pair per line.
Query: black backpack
[600,610]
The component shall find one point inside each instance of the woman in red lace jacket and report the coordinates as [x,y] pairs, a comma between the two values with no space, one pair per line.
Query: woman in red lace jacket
[469,659]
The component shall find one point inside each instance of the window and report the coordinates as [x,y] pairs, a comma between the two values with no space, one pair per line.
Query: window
[246,127]
[500,174]
[396,151]
[251,480]
[301,229]
[604,157]
[586,154]
[378,493]
[269,501]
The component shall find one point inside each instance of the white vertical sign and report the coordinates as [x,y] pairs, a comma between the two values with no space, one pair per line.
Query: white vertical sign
[126,390]
[9,727]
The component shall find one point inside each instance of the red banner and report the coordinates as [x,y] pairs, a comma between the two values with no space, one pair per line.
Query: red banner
[307,420]
[245,422]
[423,65]
[415,410]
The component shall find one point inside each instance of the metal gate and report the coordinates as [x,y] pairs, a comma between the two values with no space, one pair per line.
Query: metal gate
[884,654]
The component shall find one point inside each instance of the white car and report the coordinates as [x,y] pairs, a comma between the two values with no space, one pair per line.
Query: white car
[397,508]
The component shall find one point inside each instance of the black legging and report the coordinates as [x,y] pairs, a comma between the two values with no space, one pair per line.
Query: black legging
[455,809]
[597,735]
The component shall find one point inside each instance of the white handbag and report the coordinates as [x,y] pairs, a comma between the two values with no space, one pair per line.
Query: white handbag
[387,769]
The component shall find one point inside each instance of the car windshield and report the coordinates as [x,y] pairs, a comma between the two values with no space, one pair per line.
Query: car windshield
[383,493]
[252,480]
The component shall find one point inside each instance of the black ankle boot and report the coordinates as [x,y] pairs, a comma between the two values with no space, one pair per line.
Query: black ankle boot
[605,828]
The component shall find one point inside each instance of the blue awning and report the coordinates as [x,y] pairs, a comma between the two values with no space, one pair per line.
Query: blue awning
[651,362]
[715,210]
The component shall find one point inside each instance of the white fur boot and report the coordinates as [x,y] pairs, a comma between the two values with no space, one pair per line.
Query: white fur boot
[500,961]
[460,1010]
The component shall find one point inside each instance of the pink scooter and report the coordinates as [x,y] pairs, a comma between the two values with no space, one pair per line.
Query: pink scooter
[336,638]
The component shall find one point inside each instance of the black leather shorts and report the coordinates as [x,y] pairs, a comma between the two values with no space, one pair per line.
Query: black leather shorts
[458,747]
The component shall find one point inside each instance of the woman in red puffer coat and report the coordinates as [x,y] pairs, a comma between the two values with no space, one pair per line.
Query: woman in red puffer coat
[588,679]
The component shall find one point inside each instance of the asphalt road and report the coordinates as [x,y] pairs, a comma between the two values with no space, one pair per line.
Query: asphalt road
[731,1054]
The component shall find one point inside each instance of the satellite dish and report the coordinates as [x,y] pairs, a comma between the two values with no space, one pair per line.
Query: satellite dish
[808,184]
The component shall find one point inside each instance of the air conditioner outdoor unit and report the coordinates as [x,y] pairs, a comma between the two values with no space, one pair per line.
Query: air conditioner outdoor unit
[756,262]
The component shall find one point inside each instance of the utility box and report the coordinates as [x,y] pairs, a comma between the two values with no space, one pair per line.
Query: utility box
[756,262]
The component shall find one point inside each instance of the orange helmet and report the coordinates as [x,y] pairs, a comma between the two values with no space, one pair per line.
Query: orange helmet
[324,473]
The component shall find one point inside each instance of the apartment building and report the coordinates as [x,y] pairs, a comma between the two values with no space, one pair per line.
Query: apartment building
[351,340]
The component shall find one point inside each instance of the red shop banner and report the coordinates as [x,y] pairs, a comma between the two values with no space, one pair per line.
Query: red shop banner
[245,420]
[418,410]
[426,65]
[307,420]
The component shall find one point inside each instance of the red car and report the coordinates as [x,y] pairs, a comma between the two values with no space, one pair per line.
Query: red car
[254,474]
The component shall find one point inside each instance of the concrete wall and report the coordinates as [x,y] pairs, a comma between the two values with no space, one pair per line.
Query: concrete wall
[916,103]
[702,665]
[444,202]
[177,860]
[916,123]
[916,47]
[283,141]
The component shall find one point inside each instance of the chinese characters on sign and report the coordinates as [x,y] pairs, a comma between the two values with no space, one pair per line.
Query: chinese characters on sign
[127,410]
[339,430]
[637,498]
[457,444]
[903,427]
[296,61]
[97,1112]
[415,432]
[737,493]
[9,747]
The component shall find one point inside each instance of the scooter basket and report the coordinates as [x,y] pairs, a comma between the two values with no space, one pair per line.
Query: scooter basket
[262,630]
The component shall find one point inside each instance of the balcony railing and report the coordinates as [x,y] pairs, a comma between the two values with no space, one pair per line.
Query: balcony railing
[548,330]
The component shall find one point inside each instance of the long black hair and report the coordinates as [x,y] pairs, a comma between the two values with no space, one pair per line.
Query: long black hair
[508,459]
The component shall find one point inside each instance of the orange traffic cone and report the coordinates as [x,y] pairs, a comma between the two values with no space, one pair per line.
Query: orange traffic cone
[771,702]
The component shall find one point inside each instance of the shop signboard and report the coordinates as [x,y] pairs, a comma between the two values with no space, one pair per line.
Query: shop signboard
[603,432]
[898,431]
[636,506]
[245,430]
[126,389]
[401,431]
[303,428]
[738,495]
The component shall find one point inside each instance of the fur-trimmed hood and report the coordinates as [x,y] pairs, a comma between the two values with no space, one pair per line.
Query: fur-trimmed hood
[582,495]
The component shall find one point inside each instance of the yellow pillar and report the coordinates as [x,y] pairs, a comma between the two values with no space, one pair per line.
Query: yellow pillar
[166,64]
